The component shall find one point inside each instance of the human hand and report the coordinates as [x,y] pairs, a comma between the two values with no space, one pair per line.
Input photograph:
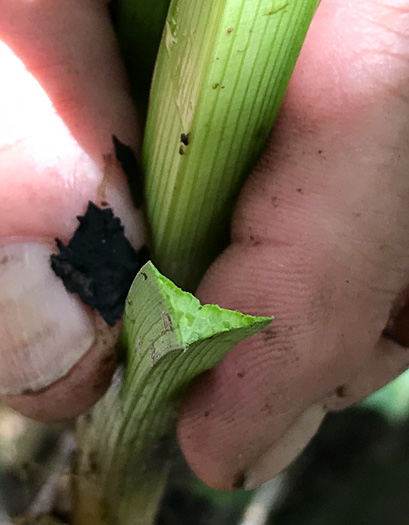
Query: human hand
[317,246]
[63,95]
[320,241]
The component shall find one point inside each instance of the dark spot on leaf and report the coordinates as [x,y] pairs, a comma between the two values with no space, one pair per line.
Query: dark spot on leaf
[274,201]
[185,139]
[181,150]
[130,165]
[240,375]
[154,353]
[167,322]
[215,86]
[230,30]
[99,263]
[145,277]
[206,414]
[300,190]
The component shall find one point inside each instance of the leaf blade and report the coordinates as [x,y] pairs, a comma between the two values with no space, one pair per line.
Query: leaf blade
[165,351]
[220,77]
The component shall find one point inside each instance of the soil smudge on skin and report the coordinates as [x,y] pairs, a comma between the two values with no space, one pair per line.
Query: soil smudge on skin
[99,263]
[133,171]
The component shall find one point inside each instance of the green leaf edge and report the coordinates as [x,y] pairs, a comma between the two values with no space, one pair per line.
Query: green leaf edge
[197,321]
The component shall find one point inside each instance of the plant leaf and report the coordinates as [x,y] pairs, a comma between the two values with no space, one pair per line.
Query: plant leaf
[221,73]
[170,338]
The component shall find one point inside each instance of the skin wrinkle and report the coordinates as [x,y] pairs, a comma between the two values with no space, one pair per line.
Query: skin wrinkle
[311,208]
[314,305]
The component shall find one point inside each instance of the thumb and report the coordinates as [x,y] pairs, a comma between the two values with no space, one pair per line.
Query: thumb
[62,98]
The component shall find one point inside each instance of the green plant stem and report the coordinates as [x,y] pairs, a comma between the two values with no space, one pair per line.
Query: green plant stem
[127,445]
[221,73]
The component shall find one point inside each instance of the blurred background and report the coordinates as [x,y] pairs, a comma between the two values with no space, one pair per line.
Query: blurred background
[355,471]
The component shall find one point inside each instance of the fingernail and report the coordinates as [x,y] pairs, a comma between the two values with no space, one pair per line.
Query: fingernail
[44,330]
[286,449]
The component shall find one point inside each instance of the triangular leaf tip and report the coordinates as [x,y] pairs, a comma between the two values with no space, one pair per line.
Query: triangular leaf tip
[196,321]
